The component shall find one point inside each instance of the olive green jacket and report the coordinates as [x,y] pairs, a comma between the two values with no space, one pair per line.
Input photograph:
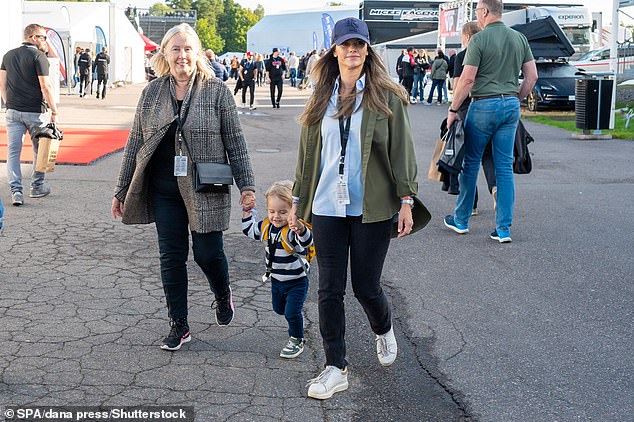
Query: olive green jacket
[388,163]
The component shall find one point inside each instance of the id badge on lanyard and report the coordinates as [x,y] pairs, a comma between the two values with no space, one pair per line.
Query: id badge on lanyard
[180,161]
[343,196]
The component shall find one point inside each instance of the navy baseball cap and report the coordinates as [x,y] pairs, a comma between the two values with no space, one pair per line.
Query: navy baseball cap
[350,28]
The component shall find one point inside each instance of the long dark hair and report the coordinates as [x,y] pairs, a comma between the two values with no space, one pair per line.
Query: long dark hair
[377,84]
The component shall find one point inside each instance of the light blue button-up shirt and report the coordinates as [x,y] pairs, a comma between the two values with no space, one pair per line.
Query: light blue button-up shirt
[325,202]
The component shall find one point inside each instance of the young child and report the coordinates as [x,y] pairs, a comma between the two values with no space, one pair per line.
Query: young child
[286,271]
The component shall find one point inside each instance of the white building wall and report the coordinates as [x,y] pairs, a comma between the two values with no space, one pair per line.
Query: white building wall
[125,46]
[293,31]
[11,24]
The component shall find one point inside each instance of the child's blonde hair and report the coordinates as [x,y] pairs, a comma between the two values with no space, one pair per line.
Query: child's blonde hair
[282,189]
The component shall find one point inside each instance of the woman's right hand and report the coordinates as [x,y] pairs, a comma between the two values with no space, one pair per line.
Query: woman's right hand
[292,218]
[117,208]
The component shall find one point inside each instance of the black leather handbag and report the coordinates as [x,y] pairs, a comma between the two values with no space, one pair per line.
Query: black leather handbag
[212,177]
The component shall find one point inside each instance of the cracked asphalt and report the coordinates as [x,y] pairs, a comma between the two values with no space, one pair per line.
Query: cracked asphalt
[538,330]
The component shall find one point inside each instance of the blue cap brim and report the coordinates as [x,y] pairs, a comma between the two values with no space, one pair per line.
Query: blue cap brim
[347,37]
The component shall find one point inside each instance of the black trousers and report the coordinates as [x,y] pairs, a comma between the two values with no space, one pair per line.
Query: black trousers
[408,81]
[84,83]
[172,226]
[102,79]
[336,238]
[279,84]
[248,83]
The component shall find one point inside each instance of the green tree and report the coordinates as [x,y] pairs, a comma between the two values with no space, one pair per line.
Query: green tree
[208,37]
[180,4]
[234,23]
[159,9]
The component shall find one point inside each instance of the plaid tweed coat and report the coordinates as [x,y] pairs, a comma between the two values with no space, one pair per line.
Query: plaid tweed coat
[213,133]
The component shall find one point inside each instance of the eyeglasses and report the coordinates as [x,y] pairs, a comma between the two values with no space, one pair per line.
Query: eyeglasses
[480,8]
[42,37]
[354,43]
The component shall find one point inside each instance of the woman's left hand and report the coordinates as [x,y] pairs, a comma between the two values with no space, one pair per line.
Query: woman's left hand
[405,220]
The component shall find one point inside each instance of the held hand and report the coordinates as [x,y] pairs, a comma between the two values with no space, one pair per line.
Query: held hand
[298,227]
[405,221]
[247,200]
[117,208]
[293,221]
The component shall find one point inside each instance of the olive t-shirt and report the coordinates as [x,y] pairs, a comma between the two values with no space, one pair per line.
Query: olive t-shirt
[23,66]
[499,53]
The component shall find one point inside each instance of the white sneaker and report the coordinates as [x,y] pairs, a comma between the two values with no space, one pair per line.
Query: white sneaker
[330,381]
[244,105]
[386,348]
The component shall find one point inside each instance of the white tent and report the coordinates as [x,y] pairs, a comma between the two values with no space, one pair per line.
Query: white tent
[77,24]
[293,31]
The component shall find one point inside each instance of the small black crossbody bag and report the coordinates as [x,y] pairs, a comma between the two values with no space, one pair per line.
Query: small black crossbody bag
[207,177]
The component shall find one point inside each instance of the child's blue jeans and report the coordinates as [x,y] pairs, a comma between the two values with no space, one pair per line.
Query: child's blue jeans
[288,300]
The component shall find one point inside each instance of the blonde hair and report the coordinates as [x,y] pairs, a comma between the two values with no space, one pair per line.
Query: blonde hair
[282,189]
[469,29]
[159,61]
[377,85]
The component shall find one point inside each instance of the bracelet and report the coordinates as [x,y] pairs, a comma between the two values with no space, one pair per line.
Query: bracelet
[451,110]
[409,202]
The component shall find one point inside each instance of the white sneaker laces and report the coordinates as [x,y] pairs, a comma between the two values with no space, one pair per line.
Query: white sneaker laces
[321,378]
[382,342]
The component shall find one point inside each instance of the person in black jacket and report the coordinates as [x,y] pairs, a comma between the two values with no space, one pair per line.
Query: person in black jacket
[407,70]
[85,71]
[101,64]
[275,69]
[219,70]
[248,73]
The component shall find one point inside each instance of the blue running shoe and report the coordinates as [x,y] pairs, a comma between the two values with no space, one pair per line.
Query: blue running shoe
[450,223]
[502,238]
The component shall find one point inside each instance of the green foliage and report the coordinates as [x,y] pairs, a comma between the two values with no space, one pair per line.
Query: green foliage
[159,9]
[208,36]
[180,4]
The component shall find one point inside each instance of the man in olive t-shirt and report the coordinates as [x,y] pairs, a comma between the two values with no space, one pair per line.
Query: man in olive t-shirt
[27,91]
[491,69]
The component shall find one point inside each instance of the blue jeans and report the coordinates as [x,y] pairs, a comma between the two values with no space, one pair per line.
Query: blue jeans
[288,299]
[18,123]
[492,120]
[293,74]
[436,84]
[419,86]
[445,92]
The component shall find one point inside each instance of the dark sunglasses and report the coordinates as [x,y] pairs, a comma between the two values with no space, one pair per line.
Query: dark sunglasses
[354,43]
[42,37]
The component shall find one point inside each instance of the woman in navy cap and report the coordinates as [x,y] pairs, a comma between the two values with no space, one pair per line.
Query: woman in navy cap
[356,142]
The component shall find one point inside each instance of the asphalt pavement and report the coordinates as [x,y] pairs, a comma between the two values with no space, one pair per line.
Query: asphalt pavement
[536,330]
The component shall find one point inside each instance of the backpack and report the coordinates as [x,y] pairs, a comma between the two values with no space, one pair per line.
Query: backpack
[304,259]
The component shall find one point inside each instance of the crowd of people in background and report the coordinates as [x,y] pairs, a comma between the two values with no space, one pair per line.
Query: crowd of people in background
[415,68]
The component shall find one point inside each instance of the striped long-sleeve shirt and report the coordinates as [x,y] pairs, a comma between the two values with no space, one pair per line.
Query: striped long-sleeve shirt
[285,266]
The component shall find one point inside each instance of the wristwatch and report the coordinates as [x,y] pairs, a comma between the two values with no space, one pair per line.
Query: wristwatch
[409,202]
[451,110]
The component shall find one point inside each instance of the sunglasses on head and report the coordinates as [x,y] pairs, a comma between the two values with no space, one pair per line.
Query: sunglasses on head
[354,43]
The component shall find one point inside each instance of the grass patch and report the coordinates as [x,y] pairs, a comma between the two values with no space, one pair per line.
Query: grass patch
[566,121]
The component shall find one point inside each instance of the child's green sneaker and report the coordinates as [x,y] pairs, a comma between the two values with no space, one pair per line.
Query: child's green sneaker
[293,348]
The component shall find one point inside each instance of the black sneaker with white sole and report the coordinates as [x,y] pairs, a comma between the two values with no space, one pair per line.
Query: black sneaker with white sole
[179,334]
[501,237]
[224,309]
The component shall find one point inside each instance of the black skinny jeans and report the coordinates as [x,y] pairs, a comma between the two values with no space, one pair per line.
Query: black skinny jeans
[248,83]
[276,83]
[336,238]
[172,226]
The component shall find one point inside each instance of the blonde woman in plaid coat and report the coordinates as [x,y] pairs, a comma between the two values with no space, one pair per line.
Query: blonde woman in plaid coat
[155,183]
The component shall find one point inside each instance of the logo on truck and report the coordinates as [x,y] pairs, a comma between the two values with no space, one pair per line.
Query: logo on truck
[405,14]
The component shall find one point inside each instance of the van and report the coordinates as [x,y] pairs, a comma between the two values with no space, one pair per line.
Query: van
[599,60]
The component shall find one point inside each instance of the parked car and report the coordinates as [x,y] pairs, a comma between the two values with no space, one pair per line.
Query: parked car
[599,60]
[555,86]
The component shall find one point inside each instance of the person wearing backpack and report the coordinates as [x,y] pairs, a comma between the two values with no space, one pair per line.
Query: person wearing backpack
[288,256]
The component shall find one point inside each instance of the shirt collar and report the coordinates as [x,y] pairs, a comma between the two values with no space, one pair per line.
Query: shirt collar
[360,85]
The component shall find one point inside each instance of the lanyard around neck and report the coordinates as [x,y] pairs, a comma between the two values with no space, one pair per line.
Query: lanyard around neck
[344,135]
